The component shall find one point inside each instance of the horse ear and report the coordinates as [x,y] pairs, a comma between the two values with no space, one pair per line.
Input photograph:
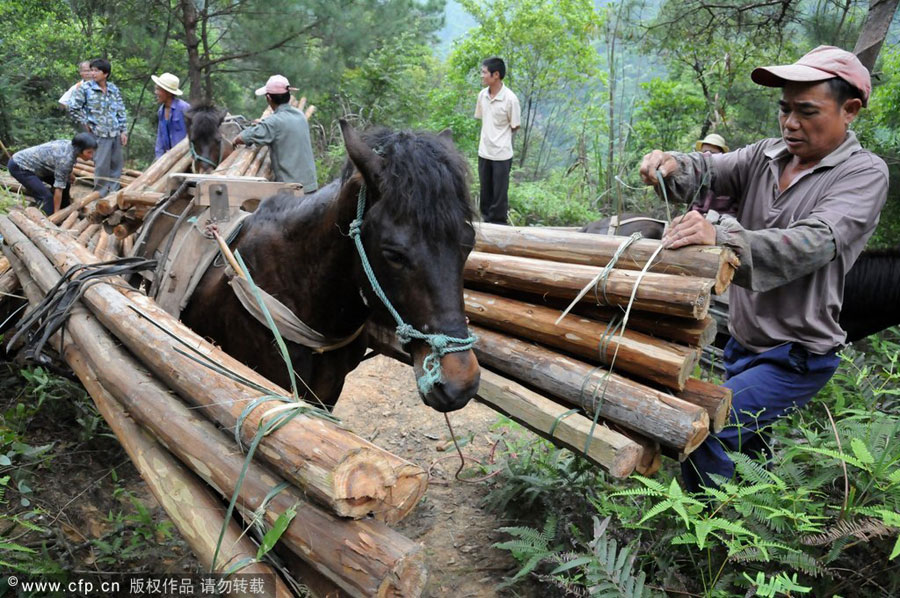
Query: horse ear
[446,135]
[363,157]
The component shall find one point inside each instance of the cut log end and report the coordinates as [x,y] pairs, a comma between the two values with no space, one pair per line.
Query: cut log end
[365,482]
[408,577]
[700,430]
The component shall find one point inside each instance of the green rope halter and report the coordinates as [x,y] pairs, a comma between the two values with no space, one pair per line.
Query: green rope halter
[197,156]
[441,344]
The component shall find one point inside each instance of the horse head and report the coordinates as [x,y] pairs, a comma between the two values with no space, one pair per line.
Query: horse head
[207,144]
[416,232]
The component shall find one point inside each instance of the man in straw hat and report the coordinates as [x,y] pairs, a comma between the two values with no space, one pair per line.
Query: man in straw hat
[806,205]
[713,143]
[172,127]
[286,132]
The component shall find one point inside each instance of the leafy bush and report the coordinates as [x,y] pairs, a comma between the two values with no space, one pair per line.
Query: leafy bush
[821,519]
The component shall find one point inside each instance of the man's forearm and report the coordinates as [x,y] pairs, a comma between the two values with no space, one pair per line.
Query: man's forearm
[773,257]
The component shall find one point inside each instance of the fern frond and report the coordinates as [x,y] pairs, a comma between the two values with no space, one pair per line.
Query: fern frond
[863,529]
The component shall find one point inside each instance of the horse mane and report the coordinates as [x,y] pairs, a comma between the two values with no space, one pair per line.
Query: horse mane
[205,119]
[424,180]
[873,282]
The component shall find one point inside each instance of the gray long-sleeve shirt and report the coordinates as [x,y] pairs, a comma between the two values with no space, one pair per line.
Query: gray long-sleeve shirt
[286,132]
[795,245]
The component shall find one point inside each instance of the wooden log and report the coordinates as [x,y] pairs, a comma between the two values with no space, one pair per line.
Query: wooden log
[612,451]
[87,233]
[707,261]
[685,331]
[651,453]
[79,227]
[125,229]
[133,198]
[636,353]
[69,222]
[366,558]
[244,156]
[253,169]
[160,166]
[127,245]
[183,165]
[712,397]
[95,238]
[683,296]
[195,511]
[61,215]
[652,413]
[265,170]
[102,244]
[105,207]
[350,475]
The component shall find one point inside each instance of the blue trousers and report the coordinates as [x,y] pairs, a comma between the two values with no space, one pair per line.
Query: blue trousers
[765,387]
[42,194]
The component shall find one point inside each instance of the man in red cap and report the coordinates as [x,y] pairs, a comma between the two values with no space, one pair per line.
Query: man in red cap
[806,205]
[286,132]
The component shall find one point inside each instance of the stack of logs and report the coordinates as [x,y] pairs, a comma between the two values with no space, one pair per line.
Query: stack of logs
[619,396]
[178,419]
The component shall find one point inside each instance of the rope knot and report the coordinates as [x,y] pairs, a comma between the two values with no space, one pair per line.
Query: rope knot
[355,227]
[405,332]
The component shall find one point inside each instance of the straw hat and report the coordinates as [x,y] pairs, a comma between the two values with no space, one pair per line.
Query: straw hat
[712,139]
[169,82]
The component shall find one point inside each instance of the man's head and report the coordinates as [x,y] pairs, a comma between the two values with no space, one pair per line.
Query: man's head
[712,143]
[492,70]
[84,69]
[100,68]
[84,145]
[823,93]
[166,87]
[277,90]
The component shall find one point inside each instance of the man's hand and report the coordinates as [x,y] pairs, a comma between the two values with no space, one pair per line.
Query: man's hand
[123,137]
[237,141]
[691,229]
[657,160]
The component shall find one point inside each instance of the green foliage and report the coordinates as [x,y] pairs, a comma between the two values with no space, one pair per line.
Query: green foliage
[558,200]
[785,528]
[668,116]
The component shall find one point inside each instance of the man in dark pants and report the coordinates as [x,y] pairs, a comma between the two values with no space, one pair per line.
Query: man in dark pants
[805,206]
[498,109]
[51,163]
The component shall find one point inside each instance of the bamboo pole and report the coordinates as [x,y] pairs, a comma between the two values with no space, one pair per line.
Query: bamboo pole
[684,296]
[709,261]
[610,450]
[365,558]
[652,413]
[337,468]
[636,353]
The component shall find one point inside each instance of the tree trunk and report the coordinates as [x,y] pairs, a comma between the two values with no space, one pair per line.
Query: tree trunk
[337,468]
[654,414]
[683,296]
[707,261]
[189,20]
[874,30]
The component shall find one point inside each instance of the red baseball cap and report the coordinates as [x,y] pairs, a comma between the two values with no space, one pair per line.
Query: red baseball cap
[825,62]
[276,84]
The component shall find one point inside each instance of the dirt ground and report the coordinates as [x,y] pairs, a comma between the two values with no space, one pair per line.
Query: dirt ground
[380,403]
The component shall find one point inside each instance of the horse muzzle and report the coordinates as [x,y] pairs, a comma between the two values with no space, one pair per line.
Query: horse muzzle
[460,376]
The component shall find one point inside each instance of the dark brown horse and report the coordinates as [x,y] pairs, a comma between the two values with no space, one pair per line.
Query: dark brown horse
[209,146]
[871,294]
[416,232]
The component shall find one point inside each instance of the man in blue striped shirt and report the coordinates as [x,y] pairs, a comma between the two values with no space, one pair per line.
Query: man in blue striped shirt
[51,163]
[98,107]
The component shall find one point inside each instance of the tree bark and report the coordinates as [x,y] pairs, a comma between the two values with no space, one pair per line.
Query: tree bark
[874,30]
[651,413]
[712,397]
[638,354]
[707,261]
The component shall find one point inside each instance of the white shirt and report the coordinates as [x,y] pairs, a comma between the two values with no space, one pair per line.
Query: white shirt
[499,116]
[64,99]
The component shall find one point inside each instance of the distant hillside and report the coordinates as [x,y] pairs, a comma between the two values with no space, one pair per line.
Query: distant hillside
[456,23]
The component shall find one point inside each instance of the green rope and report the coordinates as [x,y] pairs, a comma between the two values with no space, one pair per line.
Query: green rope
[197,156]
[440,344]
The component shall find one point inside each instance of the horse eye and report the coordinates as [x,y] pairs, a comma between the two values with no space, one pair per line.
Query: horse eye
[395,258]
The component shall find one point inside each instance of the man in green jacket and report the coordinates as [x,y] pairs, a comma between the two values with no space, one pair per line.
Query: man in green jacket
[286,132]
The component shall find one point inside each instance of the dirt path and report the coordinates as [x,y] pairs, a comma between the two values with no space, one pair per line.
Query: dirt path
[380,403]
